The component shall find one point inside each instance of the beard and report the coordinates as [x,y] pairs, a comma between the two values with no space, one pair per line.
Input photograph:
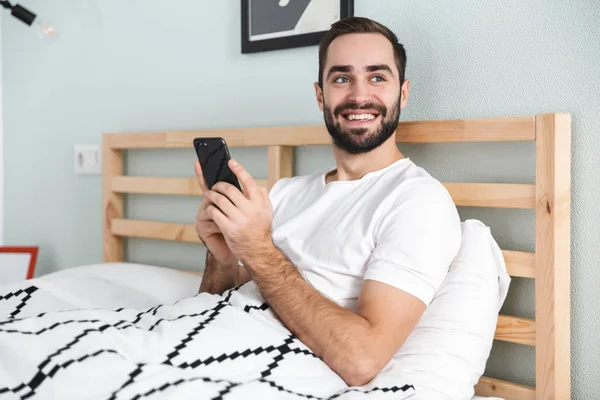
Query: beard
[359,140]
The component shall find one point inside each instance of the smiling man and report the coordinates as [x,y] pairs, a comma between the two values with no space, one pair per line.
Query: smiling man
[349,258]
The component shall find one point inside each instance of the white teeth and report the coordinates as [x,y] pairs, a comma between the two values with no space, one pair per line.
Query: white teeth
[360,117]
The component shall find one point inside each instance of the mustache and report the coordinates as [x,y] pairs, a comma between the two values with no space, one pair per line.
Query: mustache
[352,106]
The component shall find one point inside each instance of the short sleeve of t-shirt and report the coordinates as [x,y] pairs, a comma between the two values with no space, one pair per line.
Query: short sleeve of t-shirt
[417,235]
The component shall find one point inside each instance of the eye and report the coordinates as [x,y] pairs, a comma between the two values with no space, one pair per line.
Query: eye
[341,79]
[377,78]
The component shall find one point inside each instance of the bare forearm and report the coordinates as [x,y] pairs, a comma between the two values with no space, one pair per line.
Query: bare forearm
[217,278]
[333,333]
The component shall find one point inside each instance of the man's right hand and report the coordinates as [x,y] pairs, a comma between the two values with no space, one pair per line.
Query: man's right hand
[207,230]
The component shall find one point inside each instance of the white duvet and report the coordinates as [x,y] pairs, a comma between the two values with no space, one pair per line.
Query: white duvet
[202,347]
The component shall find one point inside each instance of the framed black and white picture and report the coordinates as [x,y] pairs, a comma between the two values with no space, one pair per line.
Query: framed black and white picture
[283,24]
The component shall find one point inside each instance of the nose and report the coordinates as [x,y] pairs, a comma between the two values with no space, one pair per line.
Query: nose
[360,92]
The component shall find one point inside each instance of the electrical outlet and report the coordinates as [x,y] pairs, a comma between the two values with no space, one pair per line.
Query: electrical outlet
[88,159]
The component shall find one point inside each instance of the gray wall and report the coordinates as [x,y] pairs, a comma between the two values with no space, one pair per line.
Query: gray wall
[148,65]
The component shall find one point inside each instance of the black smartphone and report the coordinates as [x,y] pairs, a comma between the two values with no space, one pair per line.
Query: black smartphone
[214,156]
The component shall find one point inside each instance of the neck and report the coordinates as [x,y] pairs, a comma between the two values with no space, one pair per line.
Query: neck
[354,166]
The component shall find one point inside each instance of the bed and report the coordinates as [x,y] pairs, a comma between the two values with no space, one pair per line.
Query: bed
[549,265]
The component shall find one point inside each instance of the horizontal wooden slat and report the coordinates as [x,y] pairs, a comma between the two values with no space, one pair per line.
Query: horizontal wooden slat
[491,387]
[503,129]
[151,185]
[196,273]
[519,263]
[515,330]
[464,194]
[492,195]
[154,230]
[240,137]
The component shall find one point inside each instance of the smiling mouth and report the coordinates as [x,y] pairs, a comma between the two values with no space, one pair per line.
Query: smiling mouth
[360,117]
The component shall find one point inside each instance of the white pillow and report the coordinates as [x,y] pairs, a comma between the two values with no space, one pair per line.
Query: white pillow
[122,284]
[448,350]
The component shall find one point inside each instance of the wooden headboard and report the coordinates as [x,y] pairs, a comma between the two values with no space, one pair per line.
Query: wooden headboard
[550,196]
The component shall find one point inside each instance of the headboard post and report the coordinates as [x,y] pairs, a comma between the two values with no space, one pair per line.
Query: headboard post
[112,202]
[280,163]
[552,256]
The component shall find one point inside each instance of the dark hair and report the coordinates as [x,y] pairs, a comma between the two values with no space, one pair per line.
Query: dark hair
[360,25]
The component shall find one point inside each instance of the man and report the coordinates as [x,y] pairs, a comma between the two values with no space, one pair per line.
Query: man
[348,259]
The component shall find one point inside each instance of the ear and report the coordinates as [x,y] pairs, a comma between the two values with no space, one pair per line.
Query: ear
[404,93]
[319,94]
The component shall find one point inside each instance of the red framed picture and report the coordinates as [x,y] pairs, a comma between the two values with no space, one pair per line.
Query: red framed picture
[17,263]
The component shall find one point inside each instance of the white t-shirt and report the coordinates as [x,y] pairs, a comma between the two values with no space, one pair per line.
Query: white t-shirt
[397,225]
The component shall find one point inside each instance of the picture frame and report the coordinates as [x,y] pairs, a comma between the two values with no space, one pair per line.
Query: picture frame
[17,263]
[284,24]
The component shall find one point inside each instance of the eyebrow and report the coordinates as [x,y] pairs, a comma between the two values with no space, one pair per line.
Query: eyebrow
[339,68]
[380,67]
[349,68]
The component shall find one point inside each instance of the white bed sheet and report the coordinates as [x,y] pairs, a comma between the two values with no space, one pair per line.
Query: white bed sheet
[122,284]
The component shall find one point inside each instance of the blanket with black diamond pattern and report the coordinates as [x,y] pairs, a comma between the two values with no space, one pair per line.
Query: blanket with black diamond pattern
[204,347]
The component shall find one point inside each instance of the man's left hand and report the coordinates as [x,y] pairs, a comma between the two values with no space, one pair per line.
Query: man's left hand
[244,217]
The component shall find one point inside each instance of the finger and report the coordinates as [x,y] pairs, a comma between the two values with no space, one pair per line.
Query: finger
[223,204]
[202,216]
[246,180]
[206,230]
[200,177]
[203,204]
[211,227]
[222,222]
[265,194]
[231,192]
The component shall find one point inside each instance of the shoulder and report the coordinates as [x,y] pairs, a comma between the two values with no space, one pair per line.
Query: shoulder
[415,198]
[414,184]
